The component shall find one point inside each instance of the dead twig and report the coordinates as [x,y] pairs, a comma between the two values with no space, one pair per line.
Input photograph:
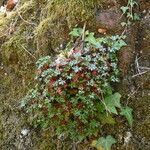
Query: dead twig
[31,23]
[139,68]
[75,145]
[131,94]
[144,68]
[83,35]
[28,52]
[141,73]
[137,64]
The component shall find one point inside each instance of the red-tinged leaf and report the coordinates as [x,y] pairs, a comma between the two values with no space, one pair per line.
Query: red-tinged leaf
[94,73]
[59,91]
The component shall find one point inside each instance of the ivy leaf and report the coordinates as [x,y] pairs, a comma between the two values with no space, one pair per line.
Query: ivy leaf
[127,112]
[91,39]
[122,43]
[106,143]
[119,44]
[133,3]
[124,9]
[123,24]
[112,102]
[76,32]
[136,17]
[108,90]
[94,144]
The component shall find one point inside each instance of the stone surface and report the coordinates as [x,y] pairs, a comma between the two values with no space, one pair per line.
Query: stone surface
[109,18]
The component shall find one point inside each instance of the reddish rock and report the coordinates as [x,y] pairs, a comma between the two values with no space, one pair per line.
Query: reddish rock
[125,60]
[11,4]
[108,18]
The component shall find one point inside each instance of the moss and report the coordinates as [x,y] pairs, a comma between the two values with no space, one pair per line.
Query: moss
[58,16]
[73,11]
[51,28]
[141,128]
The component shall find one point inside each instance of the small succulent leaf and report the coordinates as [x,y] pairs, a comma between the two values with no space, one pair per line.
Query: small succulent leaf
[106,143]
[123,24]
[136,17]
[87,32]
[124,9]
[76,32]
[127,112]
[42,61]
[23,103]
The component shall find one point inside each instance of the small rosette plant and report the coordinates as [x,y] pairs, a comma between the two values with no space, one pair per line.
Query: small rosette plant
[73,94]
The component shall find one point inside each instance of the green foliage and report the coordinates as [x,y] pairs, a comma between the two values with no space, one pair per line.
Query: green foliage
[112,102]
[76,32]
[107,119]
[128,10]
[106,143]
[73,94]
[127,112]
[124,9]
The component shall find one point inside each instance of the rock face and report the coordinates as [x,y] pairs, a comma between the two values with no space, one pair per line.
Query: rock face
[108,18]
[25,38]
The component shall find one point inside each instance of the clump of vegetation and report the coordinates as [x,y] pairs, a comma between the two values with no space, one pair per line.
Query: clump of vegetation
[73,95]
[128,11]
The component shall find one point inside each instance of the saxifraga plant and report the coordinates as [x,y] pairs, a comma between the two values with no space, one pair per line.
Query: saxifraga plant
[73,95]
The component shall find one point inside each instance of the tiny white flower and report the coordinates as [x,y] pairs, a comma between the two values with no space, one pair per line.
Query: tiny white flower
[24,132]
